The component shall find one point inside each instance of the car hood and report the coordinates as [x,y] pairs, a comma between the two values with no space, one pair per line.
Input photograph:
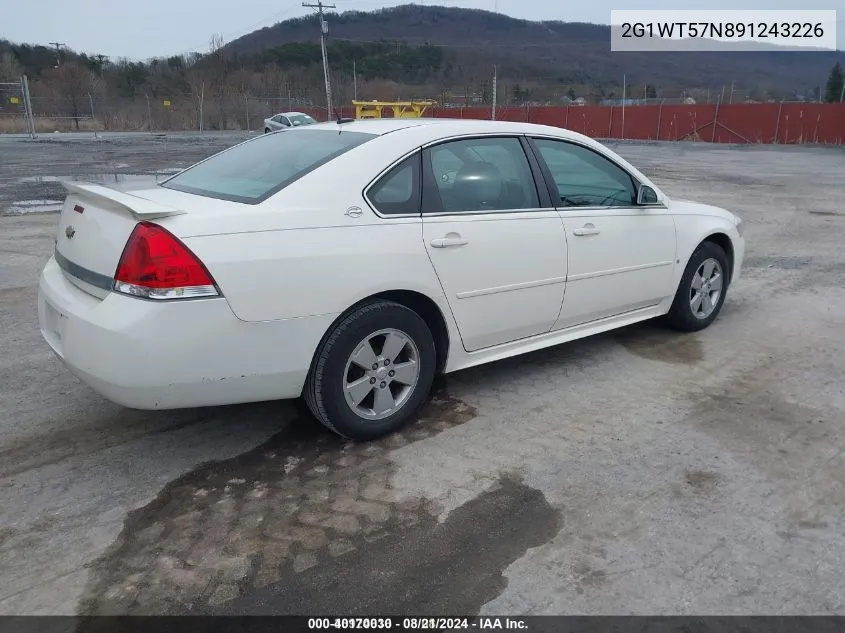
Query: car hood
[690,207]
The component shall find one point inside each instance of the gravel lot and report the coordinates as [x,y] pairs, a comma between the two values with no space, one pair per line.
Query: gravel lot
[638,472]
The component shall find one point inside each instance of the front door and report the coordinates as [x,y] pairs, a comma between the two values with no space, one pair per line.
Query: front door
[500,257]
[621,255]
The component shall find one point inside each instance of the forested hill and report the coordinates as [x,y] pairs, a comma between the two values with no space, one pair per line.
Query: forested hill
[539,52]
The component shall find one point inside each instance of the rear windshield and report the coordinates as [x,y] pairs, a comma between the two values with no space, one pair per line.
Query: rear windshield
[253,171]
[301,119]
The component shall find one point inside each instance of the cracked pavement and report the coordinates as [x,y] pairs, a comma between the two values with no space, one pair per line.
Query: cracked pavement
[641,471]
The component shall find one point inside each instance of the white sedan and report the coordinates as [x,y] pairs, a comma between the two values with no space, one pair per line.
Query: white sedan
[286,120]
[348,263]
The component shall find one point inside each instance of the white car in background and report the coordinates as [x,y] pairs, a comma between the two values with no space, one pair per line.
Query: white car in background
[287,120]
[440,245]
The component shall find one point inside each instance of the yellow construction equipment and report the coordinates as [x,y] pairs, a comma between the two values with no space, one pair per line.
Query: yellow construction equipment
[400,109]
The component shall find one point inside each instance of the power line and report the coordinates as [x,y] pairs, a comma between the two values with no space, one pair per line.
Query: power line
[230,35]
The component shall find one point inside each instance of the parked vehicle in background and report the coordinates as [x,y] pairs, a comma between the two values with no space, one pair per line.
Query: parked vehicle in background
[286,120]
[349,263]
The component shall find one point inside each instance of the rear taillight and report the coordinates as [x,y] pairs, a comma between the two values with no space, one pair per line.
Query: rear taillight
[156,265]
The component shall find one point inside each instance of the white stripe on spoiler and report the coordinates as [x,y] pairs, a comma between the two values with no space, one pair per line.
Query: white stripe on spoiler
[140,208]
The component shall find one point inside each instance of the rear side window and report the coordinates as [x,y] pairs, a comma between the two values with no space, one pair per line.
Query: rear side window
[477,175]
[398,191]
[253,171]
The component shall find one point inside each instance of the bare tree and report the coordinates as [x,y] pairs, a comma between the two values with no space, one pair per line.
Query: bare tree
[73,82]
[241,84]
[10,69]
[197,81]
[218,66]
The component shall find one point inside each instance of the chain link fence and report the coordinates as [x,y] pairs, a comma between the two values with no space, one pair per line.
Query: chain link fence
[161,113]
[16,107]
[724,115]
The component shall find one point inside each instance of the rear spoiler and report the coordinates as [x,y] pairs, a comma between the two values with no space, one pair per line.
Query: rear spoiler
[140,208]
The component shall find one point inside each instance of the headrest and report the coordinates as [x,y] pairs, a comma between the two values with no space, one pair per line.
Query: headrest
[478,183]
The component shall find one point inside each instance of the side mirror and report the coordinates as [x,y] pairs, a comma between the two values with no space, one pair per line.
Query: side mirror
[646,195]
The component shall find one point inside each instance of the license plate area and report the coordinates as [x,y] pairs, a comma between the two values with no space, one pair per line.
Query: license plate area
[53,320]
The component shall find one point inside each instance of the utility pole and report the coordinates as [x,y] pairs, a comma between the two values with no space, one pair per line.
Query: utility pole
[58,46]
[324,30]
[93,120]
[354,81]
[731,98]
[495,91]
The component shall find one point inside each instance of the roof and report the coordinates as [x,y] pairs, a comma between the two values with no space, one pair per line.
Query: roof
[441,126]
[375,126]
[292,113]
[422,131]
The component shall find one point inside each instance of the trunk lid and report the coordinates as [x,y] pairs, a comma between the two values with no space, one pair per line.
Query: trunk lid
[94,226]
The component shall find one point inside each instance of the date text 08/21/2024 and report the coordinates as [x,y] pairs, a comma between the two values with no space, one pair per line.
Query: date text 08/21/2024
[419,623]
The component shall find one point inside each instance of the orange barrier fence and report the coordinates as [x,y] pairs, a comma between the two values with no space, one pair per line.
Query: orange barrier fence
[788,122]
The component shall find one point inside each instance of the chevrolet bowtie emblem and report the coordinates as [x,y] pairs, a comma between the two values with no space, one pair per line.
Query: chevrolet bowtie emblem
[70,232]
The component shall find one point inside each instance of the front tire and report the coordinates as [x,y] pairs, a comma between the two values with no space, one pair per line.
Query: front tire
[373,372]
[702,290]
[266,130]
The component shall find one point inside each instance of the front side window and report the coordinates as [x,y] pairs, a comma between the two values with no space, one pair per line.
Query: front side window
[585,178]
[253,171]
[398,191]
[482,174]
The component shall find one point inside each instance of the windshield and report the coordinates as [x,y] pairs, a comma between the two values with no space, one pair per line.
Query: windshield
[253,171]
[301,119]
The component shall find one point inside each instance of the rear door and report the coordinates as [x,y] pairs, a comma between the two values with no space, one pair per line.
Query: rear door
[498,249]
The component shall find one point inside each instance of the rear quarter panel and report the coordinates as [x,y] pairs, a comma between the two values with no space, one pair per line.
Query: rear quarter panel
[299,254]
[283,274]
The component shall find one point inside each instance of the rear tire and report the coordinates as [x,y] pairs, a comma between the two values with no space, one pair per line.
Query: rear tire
[702,290]
[373,372]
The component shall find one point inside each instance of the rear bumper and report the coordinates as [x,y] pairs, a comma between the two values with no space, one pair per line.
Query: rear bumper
[148,355]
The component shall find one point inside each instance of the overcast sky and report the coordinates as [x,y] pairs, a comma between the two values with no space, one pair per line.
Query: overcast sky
[166,27]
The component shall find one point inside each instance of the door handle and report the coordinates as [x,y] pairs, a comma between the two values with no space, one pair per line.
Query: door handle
[587,229]
[445,242]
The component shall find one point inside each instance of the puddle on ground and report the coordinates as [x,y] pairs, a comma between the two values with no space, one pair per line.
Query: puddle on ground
[653,342]
[309,523]
[18,207]
[104,178]
[452,568]
[47,193]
